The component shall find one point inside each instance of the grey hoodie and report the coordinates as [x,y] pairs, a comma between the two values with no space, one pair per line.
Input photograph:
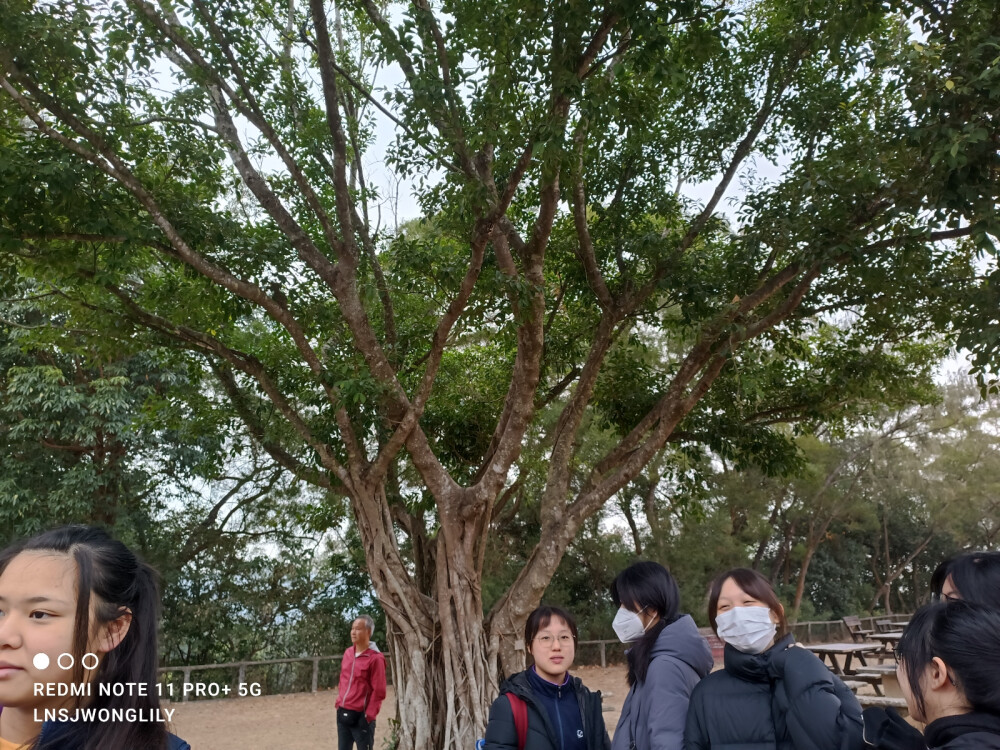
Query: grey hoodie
[655,711]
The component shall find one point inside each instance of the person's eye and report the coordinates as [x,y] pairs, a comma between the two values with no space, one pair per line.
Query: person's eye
[39,615]
[565,639]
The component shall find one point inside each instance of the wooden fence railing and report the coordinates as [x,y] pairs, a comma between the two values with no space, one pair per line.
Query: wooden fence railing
[820,631]
[189,688]
[237,671]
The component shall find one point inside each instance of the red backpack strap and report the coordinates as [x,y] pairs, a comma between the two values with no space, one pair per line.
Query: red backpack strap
[520,710]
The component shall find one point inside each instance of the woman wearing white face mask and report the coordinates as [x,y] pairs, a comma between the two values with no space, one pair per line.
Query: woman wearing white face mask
[771,693]
[666,659]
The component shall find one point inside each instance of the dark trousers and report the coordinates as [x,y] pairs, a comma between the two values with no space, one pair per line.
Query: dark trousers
[362,735]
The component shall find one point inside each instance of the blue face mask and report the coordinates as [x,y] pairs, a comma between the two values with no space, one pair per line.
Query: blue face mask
[628,626]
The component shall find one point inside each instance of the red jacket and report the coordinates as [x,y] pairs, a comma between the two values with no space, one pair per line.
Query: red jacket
[362,681]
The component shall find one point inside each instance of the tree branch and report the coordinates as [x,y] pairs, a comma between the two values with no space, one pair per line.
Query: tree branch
[450,166]
[109,163]
[241,403]
[585,248]
[772,97]
[433,357]
[206,344]
[249,108]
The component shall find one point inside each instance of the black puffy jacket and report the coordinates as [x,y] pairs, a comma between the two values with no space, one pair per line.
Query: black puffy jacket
[501,734]
[887,730]
[975,731]
[782,699]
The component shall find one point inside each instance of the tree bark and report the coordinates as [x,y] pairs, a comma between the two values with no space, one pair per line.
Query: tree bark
[762,547]
[626,505]
[800,585]
[442,661]
[885,589]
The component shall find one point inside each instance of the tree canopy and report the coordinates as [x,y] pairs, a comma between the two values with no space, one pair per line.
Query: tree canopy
[191,177]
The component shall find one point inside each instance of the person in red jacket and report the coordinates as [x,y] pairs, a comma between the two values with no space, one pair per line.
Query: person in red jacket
[362,688]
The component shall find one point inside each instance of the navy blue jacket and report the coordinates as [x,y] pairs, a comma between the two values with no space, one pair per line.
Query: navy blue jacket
[574,706]
[563,709]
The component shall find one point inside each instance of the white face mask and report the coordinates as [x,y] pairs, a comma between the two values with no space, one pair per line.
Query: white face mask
[747,629]
[628,626]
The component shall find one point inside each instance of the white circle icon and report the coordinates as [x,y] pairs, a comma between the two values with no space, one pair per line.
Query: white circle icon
[41,661]
[59,661]
[83,661]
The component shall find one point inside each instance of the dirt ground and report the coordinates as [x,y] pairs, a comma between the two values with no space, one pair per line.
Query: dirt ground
[305,721]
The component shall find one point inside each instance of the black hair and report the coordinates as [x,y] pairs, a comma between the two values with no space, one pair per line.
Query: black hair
[976,576]
[940,575]
[541,617]
[753,583]
[965,635]
[112,581]
[646,586]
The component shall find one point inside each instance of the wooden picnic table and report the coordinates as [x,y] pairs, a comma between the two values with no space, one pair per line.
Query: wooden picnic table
[888,641]
[832,652]
[887,638]
[880,677]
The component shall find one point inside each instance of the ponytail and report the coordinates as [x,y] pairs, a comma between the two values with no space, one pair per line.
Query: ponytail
[646,585]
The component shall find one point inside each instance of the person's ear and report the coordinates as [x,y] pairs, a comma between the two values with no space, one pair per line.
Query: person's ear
[115,631]
[937,674]
[776,618]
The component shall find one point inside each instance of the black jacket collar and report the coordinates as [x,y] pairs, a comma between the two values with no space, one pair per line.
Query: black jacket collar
[942,731]
[753,667]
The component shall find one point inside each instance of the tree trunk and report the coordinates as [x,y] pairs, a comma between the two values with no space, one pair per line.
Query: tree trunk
[800,586]
[445,678]
[649,505]
[626,505]
[782,563]
[885,588]
[765,540]
[444,667]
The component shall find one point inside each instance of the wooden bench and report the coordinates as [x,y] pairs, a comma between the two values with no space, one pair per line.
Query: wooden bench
[833,652]
[879,669]
[858,633]
[881,701]
[868,678]
[885,626]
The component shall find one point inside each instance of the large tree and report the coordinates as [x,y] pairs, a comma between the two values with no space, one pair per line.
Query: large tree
[192,174]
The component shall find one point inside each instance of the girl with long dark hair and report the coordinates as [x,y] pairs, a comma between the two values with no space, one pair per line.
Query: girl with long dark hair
[666,658]
[78,618]
[772,693]
[973,576]
[948,665]
[544,707]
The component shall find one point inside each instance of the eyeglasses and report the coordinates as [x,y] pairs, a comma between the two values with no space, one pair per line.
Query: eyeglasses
[943,598]
[547,641]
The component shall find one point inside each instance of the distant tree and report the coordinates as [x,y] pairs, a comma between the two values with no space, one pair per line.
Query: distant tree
[75,442]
